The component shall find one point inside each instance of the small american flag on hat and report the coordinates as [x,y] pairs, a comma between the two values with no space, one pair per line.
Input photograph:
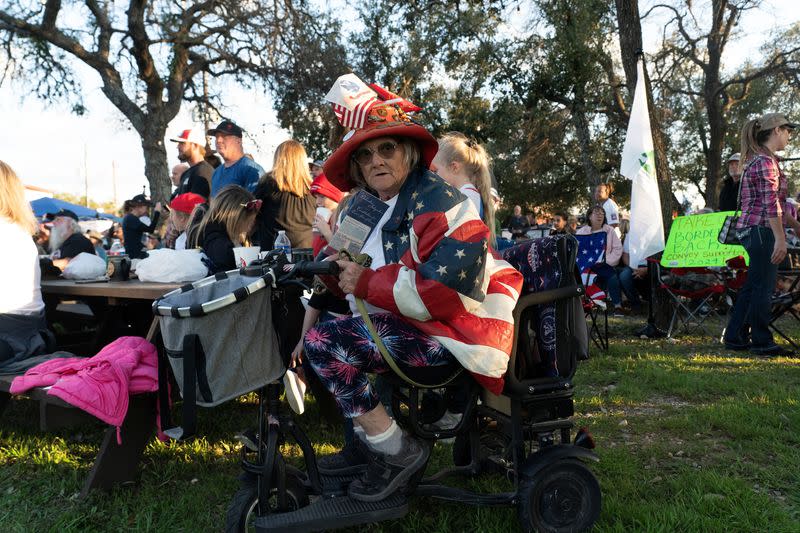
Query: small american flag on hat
[352,100]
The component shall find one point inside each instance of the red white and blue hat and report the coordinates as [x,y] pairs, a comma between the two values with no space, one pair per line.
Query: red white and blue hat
[370,112]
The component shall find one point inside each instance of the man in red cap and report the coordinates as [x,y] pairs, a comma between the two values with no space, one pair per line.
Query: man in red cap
[328,198]
[180,214]
[192,150]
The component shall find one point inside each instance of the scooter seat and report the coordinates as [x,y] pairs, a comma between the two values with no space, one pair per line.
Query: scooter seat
[334,513]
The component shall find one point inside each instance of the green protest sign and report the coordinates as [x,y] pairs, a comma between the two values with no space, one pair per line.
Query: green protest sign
[692,242]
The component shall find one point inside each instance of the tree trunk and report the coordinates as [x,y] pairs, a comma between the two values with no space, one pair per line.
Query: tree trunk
[630,38]
[712,93]
[156,168]
[716,144]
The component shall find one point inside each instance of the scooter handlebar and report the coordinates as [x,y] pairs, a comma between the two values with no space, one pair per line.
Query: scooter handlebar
[316,268]
[255,270]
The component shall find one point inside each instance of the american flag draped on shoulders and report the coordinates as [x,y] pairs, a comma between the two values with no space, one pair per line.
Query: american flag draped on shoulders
[591,250]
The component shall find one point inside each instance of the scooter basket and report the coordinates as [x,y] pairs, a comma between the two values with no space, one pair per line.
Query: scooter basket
[221,326]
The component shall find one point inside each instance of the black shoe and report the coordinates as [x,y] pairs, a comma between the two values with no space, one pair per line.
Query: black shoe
[386,474]
[773,350]
[351,460]
[737,347]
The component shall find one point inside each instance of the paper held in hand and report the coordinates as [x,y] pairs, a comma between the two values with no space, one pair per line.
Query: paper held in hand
[363,214]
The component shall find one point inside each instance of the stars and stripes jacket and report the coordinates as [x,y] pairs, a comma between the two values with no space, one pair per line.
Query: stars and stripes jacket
[442,277]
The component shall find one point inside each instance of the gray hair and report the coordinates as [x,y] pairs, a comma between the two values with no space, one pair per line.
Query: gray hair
[74,226]
[411,157]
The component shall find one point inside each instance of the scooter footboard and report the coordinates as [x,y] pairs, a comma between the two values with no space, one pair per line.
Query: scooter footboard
[334,513]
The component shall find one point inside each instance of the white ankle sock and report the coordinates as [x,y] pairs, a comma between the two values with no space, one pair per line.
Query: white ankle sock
[359,431]
[390,442]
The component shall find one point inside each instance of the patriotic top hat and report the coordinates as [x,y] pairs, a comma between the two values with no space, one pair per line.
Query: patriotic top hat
[370,112]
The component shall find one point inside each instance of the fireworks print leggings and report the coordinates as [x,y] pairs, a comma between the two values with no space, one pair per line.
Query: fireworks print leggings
[342,352]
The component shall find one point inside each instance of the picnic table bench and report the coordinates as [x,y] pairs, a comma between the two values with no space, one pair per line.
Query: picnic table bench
[115,463]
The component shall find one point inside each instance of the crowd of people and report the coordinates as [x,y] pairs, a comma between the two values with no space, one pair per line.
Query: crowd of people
[435,289]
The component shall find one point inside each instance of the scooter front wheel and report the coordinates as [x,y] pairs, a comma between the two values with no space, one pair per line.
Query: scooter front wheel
[243,509]
[563,497]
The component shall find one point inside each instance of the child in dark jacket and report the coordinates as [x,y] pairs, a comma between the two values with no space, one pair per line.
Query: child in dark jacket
[227,225]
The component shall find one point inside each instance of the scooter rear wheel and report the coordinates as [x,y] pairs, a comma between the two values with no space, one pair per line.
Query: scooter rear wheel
[243,509]
[563,497]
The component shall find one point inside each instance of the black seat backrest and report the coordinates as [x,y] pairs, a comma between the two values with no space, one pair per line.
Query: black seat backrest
[550,325]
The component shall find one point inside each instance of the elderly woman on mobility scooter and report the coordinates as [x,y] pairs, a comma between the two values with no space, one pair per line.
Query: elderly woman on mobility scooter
[435,292]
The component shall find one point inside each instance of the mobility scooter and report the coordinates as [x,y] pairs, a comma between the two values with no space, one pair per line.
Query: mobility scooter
[524,435]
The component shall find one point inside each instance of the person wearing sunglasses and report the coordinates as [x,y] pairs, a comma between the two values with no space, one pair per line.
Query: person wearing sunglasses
[435,291]
[228,224]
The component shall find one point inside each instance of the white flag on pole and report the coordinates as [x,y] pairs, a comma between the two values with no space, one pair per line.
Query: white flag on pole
[646,236]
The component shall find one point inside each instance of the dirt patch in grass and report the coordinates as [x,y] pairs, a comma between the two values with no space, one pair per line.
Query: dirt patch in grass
[654,405]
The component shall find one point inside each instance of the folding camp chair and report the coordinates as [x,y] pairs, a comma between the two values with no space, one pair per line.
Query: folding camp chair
[591,252]
[787,293]
[784,300]
[596,311]
[697,293]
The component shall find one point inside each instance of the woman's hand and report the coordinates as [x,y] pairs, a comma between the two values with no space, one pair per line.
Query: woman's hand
[778,252]
[296,358]
[158,206]
[348,275]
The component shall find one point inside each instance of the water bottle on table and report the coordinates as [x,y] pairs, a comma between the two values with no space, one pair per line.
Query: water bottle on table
[282,243]
[116,248]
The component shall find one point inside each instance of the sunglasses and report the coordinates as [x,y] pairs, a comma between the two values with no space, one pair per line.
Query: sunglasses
[386,150]
[252,205]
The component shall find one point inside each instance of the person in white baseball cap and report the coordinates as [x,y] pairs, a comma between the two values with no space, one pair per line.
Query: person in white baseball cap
[192,150]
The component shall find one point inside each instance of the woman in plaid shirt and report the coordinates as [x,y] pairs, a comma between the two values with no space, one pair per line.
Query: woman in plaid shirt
[760,230]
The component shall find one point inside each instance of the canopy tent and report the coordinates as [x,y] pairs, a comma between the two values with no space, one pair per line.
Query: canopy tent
[110,217]
[46,205]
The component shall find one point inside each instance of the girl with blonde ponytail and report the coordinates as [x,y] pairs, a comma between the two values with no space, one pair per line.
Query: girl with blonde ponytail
[760,229]
[464,164]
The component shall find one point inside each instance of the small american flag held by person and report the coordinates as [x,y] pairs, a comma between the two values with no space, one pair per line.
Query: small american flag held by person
[352,100]
[591,250]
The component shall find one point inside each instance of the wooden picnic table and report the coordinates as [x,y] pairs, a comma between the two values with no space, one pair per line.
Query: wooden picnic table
[115,303]
[113,290]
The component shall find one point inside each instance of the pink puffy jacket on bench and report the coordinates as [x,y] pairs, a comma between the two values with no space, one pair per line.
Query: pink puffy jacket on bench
[99,385]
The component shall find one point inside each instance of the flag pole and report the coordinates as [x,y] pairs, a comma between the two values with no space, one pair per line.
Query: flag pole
[650,330]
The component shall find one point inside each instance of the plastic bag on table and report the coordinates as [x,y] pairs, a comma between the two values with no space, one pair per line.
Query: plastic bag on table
[85,266]
[172,266]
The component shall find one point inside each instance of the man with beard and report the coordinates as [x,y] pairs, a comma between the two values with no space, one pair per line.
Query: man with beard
[67,239]
[192,150]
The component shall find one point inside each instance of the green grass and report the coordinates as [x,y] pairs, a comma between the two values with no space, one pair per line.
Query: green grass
[691,438]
